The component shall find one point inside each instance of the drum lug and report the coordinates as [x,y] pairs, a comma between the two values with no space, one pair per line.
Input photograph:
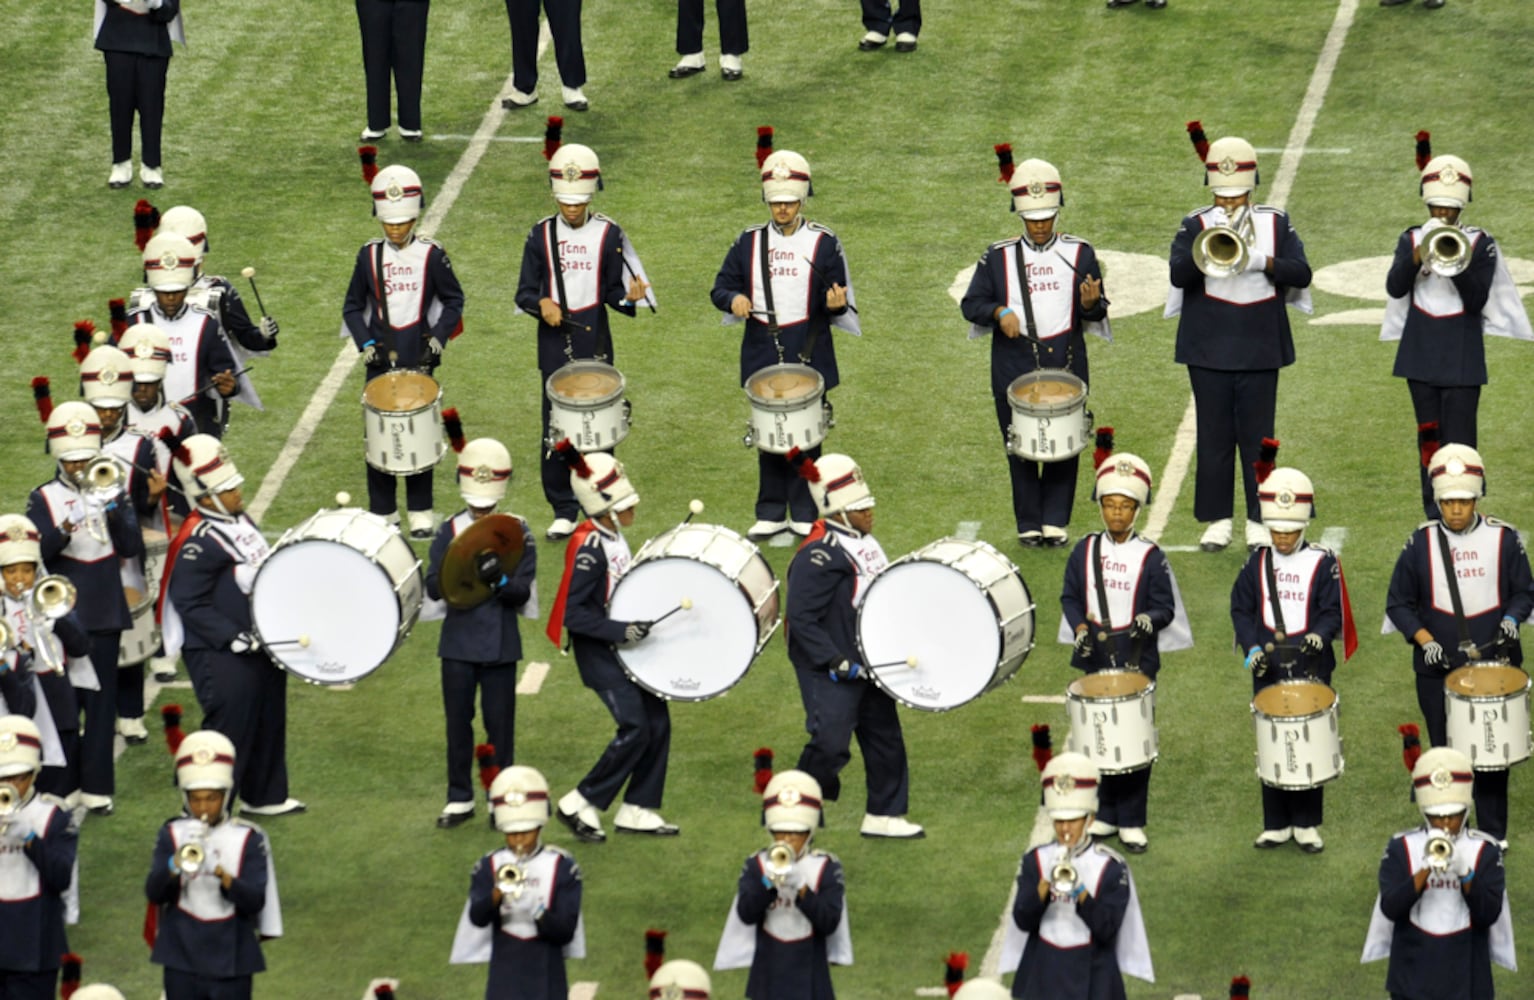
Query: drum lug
[749,438]
[628,412]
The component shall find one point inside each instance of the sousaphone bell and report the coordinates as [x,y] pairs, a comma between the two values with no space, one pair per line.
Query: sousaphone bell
[498,533]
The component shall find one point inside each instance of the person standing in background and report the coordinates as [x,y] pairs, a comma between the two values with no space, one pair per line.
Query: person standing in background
[393,45]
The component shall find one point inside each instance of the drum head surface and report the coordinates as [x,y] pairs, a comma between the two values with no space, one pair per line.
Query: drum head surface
[784,383]
[938,615]
[401,392]
[586,384]
[1490,680]
[1291,699]
[1110,684]
[1046,391]
[697,653]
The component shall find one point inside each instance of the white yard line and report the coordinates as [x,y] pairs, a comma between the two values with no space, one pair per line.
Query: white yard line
[533,677]
[583,991]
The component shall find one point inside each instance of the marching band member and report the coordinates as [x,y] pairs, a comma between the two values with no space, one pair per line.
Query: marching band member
[84,533]
[786,280]
[1442,914]
[211,884]
[393,50]
[1036,324]
[788,921]
[37,859]
[596,557]
[1232,332]
[201,372]
[480,646]
[523,914]
[827,579]
[403,305]
[134,38]
[1076,926]
[1288,606]
[217,293]
[1439,310]
[1121,610]
[734,39]
[576,264]
[1468,615]
[680,978]
[209,572]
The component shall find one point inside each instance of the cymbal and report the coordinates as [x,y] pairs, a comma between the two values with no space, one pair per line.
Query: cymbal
[460,582]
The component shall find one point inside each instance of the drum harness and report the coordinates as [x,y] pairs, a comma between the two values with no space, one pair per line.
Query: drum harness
[1466,645]
[383,301]
[565,322]
[1280,633]
[1030,327]
[1104,634]
[764,253]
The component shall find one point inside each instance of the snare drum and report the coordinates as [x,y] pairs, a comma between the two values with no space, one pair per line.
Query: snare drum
[960,610]
[788,409]
[701,651]
[142,638]
[1113,720]
[1050,419]
[345,583]
[1488,714]
[1298,745]
[402,418]
[586,405]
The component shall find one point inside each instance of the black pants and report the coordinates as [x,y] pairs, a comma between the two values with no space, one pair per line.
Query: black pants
[555,473]
[1453,409]
[834,712]
[183,985]
[1286,807]
[64,703]
[1235,412]
[29,985]
[245,697]
[1123,798]
[564,24]
[731,15]
[393,44]
[639,751]
[383,497]
[878,17]
[497,683]
[1042,492]
[781,493]
[100,711]
[136,85]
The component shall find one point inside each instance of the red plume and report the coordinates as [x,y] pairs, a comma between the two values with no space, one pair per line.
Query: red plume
[567,453]
[146,219]
[762,762]
[1043,746]
[453,424]
[384,992]
[84,330]
[1427,441]
[1411,744]
[763,144]
[1004,160]
[170,717]
[484,756]
[1240,987]
[654,951]
[552,130]
[805,464]
[70,966]
[953,971]
[1267,455]
[1424,148]
[1200,140]
[369,157]
[119,313]
[1104,447]
[42,396]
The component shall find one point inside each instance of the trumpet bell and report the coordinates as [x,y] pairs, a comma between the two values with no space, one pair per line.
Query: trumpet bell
[7,637]
[10,799]
[780,862]
[1440,851]
[1063,878]
[53,597]
[104,476]
[190,857]
[1223,251]
[1446,250]
[511,880]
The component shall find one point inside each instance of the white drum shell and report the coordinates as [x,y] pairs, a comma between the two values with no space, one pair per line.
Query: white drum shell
[778,426]
[700,652]
[142,638]
[345,579]
[1048,432]
[1117,733]
[404,442]
[1493,731]
[595,424]
[1297,752]
[961,609]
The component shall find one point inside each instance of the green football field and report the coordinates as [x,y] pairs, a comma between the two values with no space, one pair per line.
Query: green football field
[264,109]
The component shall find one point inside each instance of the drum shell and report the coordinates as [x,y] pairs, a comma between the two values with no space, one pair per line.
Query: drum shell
[403,439]
[597,422]
[701,652]
[141,639]
[347,581]
[780,424]
[961,609]
[1113,720]
[1486,706]
[1299,745]
[1045,431]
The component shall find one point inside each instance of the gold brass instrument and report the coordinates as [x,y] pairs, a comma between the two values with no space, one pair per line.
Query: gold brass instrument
[52,598]
[1223,251]
[101,482]
[1063,879]
[511,880]
[1440,851]
[1445,249]
[780,862]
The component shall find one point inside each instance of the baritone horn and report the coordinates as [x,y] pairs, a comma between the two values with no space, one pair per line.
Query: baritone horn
[1223,251]
[511,880]
[1440,851]
[780,862]
[1445,249]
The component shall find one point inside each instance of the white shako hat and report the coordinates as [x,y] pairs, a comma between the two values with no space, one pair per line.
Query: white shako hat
[791,803]
[680,979]
[598,481]
[203,465]
[205,760]
[74,431]
[1287,500]
[98,991]
[397,195]
[484,472]
[836,483]
[1036,190]
[1070,786]
[188,222]
[1443,781]
[19,541]
[148,350]
[1446,182]
[785,177]
[575,174]
[106,377]
[1457,473]
[1230,167]
[21,746]
[170,262]
[1126,475]
[983,989]
[519,799]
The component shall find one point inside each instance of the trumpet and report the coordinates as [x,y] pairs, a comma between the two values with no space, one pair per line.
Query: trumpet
[511,880]
[1445,249]
[1222,251]
[10,799]
[780,862]
[52,598]
[100,482]
[7,637]
[190,857]
[1063,878]
[1440,851]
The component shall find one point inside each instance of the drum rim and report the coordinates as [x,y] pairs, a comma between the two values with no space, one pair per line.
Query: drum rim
[1450,692]
[782,405]
[1331,707]
[585,364]
[1148,690]
[401,413]
[1047,409]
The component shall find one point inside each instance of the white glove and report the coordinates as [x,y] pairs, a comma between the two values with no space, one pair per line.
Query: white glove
[435,347]
[268,328]
[1256,261]
[245,577]
[245,642]
[1218,217]
[1509,628]
[1462,865]
[1432,654]
[1141,627]
[370,354]
[1083,641]
[1312,643]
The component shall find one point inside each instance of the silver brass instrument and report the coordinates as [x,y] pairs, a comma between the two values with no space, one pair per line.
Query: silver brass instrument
[511,880]
[1440,851]
[1445,249]
[190,856]
[780,862]
[7,637]
[1062,879]
[10,801]
[101,482]
[52,598]
[1223,251]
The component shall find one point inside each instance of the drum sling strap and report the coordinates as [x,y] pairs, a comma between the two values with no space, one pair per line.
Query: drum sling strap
[383,301]
[764,256]
[1105,635]
[559,285]
[1280,633]
[1028,320]
[1460,624]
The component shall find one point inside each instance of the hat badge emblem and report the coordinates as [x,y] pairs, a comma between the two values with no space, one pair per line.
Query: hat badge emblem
[483,474]
[1441,778]
[572,172]
[107,376]
[169,261]
[394,192]
[143,349]
[202,755]
[1036,189]
[788,797]
[671,992]
[1448,175]
[781,172]
[8,741]
[1065,783]
[1227,166]
[1285,498]
[75,428]
[1454,467]
[1124,468]
[516,797]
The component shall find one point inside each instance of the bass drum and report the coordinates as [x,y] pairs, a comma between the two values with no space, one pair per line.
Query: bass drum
[945,624]
[336,596]
[719,601]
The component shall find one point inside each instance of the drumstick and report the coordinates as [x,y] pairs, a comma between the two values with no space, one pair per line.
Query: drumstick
[686,605]
[302,640]
[206,386]
[822,276]
[632,275]
[693,507]
[909,661]
[250,274]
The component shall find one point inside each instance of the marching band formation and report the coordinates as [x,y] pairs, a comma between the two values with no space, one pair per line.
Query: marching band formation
[139,551]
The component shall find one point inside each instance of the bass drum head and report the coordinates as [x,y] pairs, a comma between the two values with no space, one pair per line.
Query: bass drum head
[697,653]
